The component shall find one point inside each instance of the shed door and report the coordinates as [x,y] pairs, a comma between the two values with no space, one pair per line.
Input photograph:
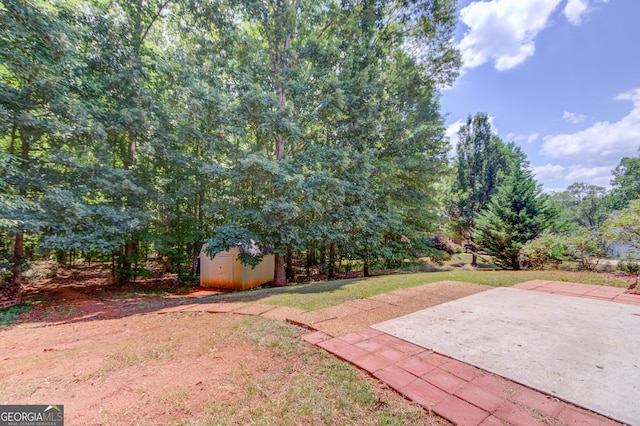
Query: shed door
[222,266]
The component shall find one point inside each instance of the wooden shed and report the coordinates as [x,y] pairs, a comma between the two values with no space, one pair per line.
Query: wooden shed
[224,271]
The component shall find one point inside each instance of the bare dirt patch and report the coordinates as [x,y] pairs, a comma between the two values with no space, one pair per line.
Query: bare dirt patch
[87,292]
[102,352]
[192,368]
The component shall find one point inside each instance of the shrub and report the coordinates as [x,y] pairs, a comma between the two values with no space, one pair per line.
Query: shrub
[629,266]
[10,315]
[538,253]
[440,242]
[427,249]
[587,248]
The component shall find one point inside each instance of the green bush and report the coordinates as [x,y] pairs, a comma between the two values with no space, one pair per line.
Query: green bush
[9,315]
[546,249]
[442,243]
[629,266]
[587,248]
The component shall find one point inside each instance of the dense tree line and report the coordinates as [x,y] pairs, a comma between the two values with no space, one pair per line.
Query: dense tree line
[498,207]
[311,127]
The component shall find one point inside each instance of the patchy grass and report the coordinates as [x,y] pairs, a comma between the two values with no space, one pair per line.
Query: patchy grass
[316,388]
[193,369]
[321,295]
[10,315]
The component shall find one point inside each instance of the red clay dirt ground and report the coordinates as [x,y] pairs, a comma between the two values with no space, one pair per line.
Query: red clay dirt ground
[103,353]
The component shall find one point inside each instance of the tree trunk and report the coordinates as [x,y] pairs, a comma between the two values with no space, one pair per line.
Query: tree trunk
[365,269]
[130,251]
[195,259]
[279,277]
[289,268]
[308,265]
[332,261]
[61,256]
[14,287]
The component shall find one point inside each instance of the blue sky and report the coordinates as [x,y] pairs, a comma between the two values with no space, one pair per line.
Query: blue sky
[561,78]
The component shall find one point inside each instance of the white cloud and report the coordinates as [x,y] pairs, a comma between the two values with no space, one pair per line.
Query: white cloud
[529,138]
[452,133]
[579,173]
[602,144]
[504,31]
[574,118]
[590,154]
[533,137]
[574,10]
[556,174]
[548,172]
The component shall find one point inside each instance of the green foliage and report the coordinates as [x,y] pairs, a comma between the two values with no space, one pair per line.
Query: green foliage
[11,314]
[629,266]
[435,255]
[587,247]
[482,162]
[626,182]
[581,205]
[129,128]
[546,249]
[624,226]
[516,214]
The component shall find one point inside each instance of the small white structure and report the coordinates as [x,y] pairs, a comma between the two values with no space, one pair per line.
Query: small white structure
[224,271]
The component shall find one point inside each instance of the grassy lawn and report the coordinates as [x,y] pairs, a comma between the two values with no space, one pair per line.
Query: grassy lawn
[320,295]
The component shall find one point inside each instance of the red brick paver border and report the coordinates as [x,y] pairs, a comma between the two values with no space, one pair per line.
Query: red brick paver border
[611,294]
[460,392]
[454,390]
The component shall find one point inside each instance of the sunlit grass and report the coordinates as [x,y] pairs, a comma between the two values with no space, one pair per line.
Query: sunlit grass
[331,293]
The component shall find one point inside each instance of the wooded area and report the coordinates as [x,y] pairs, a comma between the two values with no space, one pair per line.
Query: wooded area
[131,128]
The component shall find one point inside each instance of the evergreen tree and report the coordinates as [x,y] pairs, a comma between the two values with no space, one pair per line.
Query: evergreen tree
[516,213]
[482,161]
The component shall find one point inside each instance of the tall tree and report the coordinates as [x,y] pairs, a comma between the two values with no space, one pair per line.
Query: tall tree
[482,162]
[581,205]
[38,109]
[123,61]
[307,103]
[516,213]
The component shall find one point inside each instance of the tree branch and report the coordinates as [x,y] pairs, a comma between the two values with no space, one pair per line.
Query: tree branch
[155,18]
[326,27]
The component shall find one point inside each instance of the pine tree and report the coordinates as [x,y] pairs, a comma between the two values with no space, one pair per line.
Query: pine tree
[516,213]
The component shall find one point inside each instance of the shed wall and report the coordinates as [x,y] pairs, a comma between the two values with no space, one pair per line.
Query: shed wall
[224,271]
